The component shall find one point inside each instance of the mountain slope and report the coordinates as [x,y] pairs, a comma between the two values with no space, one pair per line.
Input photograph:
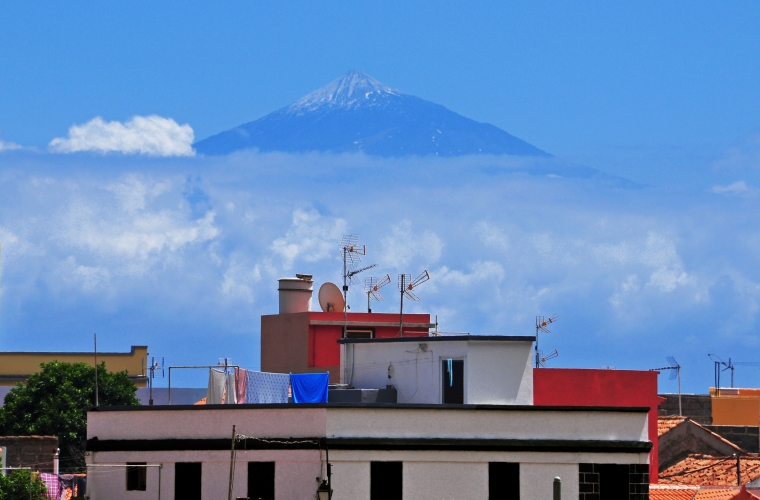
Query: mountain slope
[356,113]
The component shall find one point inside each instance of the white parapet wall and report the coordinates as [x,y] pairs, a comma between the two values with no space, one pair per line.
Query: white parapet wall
[497,370]
[444,451]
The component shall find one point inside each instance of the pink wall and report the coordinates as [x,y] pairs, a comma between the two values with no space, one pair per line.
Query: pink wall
[581,387]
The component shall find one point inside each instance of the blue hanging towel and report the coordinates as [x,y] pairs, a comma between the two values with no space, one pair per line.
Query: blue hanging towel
[309,387]
[451,372]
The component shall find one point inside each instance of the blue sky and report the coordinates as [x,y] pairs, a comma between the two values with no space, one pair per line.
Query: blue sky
[182,252]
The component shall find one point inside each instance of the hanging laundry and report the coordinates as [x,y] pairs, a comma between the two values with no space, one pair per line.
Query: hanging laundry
[264,387]
[51,485]
[66,482]
[80,485]
[309,387]
[230,397]
[450,367]
[240,385]
[215,390]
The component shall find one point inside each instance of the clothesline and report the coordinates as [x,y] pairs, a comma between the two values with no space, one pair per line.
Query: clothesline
[243,386]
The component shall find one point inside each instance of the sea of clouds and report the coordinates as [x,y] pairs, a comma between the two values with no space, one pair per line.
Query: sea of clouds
[152,245]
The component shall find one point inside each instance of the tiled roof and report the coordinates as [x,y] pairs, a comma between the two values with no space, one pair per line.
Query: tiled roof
[699,470]
[201,402]
[670,492]
[664,424]
[724,493]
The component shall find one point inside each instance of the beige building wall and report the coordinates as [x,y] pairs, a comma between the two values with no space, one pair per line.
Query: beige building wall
[18,366]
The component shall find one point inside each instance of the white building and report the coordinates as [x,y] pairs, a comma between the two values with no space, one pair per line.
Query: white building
[484,369]
[377,451]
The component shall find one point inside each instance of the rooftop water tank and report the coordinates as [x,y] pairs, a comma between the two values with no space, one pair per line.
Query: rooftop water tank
[295,294]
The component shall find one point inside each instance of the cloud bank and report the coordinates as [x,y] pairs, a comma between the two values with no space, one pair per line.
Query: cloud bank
[184,256]
[147,135]
[9,146]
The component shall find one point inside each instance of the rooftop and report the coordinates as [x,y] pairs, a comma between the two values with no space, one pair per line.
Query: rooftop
[699,470]
[664,424]
[443,338]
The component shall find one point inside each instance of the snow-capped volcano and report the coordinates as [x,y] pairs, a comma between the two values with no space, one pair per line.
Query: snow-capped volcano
[352,90]
[356,113]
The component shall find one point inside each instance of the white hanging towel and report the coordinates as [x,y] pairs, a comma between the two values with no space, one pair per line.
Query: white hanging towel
[215,390]
[231,396]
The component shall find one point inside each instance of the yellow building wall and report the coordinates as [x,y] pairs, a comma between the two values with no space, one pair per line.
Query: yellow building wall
[18,366]
[735,407]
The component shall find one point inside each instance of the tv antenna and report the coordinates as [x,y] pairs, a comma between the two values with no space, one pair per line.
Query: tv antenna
[675,372]
[542,325]
[351,252]
[372,288]
[156,365]
[406,285]
[721,366]
[553,354]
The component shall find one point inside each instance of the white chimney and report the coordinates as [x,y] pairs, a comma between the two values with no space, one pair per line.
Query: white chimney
[295,294]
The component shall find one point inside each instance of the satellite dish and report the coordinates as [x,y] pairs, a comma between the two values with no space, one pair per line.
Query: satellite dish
[331,298]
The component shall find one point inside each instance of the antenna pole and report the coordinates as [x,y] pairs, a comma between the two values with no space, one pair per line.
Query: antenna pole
[680,413]
[369,309]
[95,340]
[345,294]
[732,372]
[401,314]
[538,360]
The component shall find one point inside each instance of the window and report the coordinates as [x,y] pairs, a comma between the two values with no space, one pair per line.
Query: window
[503,481]
[261,480]
[137,477]
[613,481]
[452,381]
[360,334]
[386,481]
[187,481]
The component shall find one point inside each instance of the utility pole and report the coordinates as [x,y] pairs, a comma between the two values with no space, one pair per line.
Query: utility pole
[95,339]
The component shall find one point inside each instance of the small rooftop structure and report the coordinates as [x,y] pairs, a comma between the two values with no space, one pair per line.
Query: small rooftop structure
[463,369]
[680,437]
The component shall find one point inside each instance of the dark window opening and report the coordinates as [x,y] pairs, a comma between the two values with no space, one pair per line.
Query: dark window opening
[453,381]
[261,480]
[187,481]
[137,477]
[613,481]
[386,481]
[503,481]
[360,334]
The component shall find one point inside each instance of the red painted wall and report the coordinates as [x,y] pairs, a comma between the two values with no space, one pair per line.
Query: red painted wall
[580,387]
[324,349]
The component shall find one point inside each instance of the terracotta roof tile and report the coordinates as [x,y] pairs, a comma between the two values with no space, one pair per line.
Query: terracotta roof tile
[664,424]
[669,492]
[717,493]
[705,470]
[201,402]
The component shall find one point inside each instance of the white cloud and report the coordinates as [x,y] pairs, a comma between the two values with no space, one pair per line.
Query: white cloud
[9,146]
[404,246]
[480,272]
[311,237]
[240,278]
[492,236]
[149,135]
[739,187]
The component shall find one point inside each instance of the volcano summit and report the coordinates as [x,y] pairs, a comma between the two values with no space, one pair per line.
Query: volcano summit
[356,113]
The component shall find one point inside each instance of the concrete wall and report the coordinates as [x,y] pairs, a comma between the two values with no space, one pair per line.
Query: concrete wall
[687,438]
[744,436]
[495,372]
[426,475]
[30,451]
[697,407]
[18,366]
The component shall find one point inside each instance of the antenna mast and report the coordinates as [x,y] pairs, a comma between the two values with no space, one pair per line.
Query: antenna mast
[675,372]
[405,285]
[542,325]
[351,252]
[372,287]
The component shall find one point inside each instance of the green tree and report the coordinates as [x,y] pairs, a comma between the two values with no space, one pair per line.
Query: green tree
[16,485]
[53,402]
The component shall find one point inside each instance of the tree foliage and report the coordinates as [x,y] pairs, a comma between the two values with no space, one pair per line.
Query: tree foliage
[53,402]
[16,486]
